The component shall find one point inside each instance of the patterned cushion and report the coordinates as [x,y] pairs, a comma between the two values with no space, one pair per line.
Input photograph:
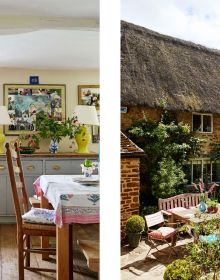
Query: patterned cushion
[162,233]
[39,215]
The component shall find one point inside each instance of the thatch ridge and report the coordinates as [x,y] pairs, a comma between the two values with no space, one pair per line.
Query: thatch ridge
[155,66]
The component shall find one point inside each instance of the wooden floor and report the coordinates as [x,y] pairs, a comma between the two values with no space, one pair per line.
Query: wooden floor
[8,254]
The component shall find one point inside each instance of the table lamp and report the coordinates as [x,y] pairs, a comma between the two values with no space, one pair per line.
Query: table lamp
[86,115]
[4,119]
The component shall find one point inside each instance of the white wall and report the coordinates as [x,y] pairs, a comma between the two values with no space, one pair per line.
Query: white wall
[71,78]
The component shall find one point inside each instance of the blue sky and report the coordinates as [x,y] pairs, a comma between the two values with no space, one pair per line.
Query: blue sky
[193,20]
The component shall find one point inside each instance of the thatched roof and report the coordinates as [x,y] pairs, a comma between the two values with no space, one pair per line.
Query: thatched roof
[129,148]
[155,66]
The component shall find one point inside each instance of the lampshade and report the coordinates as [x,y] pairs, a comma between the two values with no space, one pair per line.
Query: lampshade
[4,116]
[86,114]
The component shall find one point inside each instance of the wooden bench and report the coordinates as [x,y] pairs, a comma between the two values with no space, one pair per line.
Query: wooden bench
[90,249]
[185,200]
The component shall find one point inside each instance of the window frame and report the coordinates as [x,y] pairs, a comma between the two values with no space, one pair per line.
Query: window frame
[203,114]
[203,161]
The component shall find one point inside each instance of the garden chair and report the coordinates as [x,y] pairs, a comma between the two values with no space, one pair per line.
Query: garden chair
[159,231]
[34,222]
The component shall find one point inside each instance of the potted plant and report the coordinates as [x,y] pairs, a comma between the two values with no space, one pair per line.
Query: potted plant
[49,127]
[88,167]
[212,206]
[134,228]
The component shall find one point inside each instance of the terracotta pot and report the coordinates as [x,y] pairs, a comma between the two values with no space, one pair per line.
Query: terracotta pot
[212,209]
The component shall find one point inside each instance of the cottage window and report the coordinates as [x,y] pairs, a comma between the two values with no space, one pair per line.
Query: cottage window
[202,123]
[202,169]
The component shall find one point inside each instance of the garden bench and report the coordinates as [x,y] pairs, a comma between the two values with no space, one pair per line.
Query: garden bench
[181,201]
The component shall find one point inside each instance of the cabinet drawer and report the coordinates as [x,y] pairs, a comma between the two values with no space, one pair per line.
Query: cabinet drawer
[63,166]
[32,167]
[3,167]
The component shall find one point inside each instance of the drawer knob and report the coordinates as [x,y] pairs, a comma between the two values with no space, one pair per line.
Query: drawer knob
[30,167]
[2,167]
[56,167]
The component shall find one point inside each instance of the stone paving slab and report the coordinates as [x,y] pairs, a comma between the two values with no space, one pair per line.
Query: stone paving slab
[136,265]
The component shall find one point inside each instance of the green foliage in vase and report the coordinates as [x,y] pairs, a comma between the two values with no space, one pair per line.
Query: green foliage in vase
[50,128]
[88,163]
[168,145]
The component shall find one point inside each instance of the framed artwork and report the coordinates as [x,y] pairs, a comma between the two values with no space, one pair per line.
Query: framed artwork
[89,95]
[25,101]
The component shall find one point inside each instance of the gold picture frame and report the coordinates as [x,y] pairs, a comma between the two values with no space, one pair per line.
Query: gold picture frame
[89,95]
[25,101]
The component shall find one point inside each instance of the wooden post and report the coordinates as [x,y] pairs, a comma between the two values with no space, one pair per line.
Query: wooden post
[44,239]
[64,252]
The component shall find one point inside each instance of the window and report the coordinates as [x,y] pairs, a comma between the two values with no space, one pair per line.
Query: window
[202,169]
[202,123]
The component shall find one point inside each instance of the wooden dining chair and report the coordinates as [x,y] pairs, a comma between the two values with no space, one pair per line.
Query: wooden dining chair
[34,222]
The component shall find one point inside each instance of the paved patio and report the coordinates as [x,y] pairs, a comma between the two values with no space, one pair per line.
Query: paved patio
[135,264]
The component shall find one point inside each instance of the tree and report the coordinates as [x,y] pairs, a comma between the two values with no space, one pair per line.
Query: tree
[168,145]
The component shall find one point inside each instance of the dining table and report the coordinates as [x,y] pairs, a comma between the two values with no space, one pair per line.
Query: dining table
[192,216]
[75,199]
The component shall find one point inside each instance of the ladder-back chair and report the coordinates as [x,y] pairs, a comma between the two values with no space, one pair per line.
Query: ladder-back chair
[34,222]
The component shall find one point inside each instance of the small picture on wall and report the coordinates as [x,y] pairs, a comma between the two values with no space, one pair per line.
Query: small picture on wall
[89,95]
[25,102]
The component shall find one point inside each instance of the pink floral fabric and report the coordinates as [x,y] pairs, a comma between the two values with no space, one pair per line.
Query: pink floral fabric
[72,201]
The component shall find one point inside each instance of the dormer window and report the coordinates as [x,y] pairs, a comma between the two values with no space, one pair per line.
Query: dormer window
[202,123]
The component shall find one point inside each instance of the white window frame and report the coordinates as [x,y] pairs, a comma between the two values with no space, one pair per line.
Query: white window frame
[200,114]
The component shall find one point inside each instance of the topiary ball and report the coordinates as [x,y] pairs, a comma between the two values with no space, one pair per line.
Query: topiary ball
[135,224]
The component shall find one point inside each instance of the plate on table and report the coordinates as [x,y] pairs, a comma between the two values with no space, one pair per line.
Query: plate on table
[86,181]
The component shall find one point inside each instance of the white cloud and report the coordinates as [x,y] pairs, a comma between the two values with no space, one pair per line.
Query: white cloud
[193,20]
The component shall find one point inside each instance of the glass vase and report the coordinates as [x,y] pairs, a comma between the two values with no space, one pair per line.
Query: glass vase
[202,207]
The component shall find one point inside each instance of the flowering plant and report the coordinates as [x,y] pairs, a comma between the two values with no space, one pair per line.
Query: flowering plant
[203,189]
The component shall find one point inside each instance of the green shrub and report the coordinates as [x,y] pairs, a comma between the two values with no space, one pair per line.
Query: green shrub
[179,270]
[135,224]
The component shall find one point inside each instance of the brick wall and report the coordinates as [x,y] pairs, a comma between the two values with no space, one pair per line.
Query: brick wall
[136,113]
[130,187]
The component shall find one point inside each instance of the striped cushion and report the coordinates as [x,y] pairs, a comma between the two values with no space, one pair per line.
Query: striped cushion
[161,233]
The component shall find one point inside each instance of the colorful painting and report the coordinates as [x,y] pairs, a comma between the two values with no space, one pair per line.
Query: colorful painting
[89,95]
[24,102]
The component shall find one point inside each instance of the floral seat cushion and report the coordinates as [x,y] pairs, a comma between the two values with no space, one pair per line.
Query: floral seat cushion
[162,233]
[39,216]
